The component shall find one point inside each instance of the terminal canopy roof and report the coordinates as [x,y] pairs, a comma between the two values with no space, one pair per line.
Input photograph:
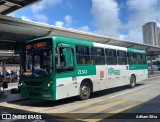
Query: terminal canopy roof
[14,31]
[8,6]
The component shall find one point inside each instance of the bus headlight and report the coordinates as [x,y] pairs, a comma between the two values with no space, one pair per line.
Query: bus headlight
[49,85]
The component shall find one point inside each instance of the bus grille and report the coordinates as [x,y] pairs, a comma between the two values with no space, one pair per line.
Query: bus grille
[34,94]
[33,83]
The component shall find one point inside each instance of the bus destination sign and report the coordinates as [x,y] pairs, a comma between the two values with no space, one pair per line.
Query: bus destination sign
[36,45]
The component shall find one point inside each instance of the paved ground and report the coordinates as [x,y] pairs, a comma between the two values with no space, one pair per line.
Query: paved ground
[121,103]
[6,96]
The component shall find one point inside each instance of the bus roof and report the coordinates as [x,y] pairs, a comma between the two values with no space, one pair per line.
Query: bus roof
[89,43]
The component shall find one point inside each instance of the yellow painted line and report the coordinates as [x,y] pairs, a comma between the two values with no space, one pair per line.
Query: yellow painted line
[92,110]
[125,108]
[20,107]
[11,106]
[101,107]
[73,106]
[103,116]
[67,108]
[57,109]
[91,120]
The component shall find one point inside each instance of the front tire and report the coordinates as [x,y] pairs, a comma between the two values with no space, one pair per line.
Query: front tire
[132,81]
[85,91]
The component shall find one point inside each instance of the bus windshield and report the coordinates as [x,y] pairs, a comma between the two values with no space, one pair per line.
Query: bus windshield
[36,63]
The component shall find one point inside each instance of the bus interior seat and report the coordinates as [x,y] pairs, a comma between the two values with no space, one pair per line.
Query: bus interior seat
[81,61]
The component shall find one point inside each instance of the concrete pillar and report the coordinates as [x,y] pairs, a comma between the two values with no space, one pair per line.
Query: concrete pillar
[4,70]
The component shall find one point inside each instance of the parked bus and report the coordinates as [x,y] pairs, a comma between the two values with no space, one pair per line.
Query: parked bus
[54,68]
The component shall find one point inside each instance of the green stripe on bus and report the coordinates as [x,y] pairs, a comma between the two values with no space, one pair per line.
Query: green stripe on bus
[79,71]
[73,41]
[138,67]
[135,50]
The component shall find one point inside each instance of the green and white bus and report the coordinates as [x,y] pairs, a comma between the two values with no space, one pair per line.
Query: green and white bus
[55,67]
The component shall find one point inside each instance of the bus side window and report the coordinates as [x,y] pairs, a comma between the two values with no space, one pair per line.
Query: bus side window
[139,58]
[122,59]
[98,55]
[131,58]
[111,56]
[83,55]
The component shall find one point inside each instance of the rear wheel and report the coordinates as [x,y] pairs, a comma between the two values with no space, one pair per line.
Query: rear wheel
[132,81]
[85,91]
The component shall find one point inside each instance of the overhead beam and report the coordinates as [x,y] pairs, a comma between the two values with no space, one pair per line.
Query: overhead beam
[10,10]
[17,5]
[23,2]
[16,2]
[13,36]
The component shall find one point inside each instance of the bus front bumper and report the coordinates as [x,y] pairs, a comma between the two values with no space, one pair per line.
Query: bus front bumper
[40,95]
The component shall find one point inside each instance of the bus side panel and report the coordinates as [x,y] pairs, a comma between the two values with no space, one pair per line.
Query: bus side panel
[117,75]
[138,74]
[68,87]
[123,76]
[140,71]
[99,80]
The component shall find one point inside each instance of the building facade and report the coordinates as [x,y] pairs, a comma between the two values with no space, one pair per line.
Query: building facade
[151,34]
[158,37]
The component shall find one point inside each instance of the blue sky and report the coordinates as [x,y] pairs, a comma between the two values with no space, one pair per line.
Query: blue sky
[116,18]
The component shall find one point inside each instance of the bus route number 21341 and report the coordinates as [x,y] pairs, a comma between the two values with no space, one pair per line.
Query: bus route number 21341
[82,72]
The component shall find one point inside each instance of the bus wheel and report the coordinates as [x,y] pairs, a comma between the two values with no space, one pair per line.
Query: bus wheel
[132,81]
[85,91]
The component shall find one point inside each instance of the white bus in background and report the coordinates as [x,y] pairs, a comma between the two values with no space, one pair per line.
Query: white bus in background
[155,65]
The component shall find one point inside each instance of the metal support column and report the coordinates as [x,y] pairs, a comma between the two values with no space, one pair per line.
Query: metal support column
[3,69]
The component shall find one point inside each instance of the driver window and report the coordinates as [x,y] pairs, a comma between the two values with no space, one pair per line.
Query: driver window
[64,59]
